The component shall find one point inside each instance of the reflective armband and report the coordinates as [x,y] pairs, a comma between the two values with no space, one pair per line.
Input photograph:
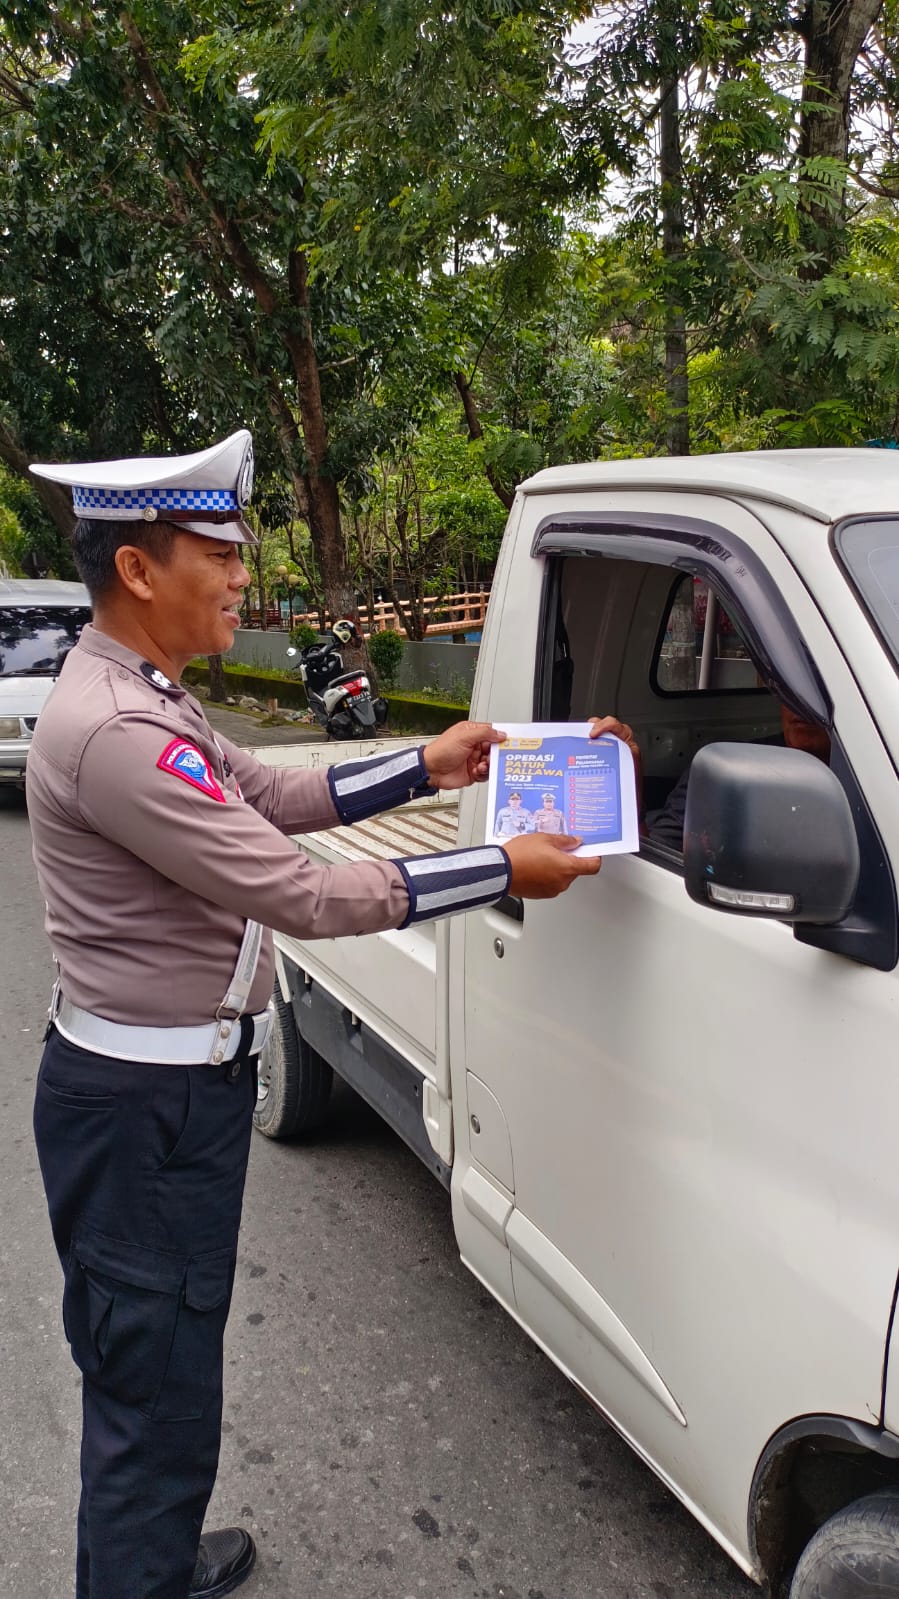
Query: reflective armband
[377,783]
[459,880]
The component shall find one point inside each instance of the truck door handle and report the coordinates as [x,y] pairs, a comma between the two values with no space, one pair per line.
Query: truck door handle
[510,905]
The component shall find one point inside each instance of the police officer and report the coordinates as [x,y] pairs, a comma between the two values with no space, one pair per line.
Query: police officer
[512,819]
[161,853]
[547,819]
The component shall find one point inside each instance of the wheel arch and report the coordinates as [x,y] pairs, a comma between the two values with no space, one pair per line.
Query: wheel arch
[810,1469]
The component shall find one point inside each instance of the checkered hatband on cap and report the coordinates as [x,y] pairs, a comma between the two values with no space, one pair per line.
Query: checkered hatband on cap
[118,502]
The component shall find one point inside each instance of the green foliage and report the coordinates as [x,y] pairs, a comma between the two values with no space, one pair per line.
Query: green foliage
[429,522]
[13,536]
[476,197]
[512,457]
[456,692]
[459,695]
[11,544]
[302,635]
[30,545]
[386,651]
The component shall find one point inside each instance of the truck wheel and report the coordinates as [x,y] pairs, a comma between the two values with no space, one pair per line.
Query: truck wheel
[855,1555]
[294,1082]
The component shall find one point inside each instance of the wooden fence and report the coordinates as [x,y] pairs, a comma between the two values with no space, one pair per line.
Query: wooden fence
[454,613]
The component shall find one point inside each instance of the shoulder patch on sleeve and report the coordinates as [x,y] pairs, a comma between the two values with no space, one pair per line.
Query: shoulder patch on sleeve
[184,760]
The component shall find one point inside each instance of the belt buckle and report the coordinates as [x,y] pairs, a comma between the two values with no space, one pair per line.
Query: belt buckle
[224,1032]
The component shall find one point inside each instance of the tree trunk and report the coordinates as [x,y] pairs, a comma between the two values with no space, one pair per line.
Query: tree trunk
[475,431]
[316,486]
[253,552]
[217,691]
[834,32]
[55,499]
[410,615]
[323,500]
[677,426]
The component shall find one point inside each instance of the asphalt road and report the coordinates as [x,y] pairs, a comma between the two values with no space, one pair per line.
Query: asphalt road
[390,1433]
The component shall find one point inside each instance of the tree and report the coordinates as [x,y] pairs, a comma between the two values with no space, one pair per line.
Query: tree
[217,688]
[429,513]
[671,202]
[31,545]
[373,105]
[739,241]
[139,185]
[833,34]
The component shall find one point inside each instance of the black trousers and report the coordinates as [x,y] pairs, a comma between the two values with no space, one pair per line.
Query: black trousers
[144,1170]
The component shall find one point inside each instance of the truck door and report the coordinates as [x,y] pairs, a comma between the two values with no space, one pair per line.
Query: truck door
[675,1153]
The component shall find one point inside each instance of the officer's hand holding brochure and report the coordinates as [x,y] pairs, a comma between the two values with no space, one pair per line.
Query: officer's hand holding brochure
[552,777]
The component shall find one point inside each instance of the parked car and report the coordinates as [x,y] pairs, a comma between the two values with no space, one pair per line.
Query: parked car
[40,620]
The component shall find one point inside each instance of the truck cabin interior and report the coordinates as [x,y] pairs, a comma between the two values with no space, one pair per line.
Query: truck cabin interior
[655,647]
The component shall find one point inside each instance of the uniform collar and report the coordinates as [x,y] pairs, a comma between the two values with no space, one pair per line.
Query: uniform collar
[97,643]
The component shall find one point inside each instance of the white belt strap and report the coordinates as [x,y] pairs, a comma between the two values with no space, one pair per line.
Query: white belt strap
[213,1042]
[238,993]
[234,1003]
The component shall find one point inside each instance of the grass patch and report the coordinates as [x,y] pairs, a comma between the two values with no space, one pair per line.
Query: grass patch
[422,697]
[240,669]
[409,712]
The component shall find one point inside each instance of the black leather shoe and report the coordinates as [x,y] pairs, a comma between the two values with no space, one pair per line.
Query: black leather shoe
[225,1558]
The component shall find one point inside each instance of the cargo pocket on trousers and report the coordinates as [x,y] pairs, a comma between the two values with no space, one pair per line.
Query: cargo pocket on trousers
[193,1377]
[120,1311]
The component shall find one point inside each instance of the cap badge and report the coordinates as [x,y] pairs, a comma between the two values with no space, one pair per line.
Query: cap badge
[244,489]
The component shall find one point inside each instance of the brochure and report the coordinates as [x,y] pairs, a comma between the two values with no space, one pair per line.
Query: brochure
[551,777]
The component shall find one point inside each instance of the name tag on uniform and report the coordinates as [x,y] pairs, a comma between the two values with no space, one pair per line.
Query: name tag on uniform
[184,760]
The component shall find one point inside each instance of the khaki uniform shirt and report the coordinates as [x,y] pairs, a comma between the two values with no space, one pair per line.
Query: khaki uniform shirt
[549,821]
[154,842]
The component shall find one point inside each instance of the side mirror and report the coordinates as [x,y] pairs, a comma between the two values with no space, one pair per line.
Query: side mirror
[769,832]
[291,651]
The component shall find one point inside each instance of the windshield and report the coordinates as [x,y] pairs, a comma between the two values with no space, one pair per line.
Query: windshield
[35,639]
[869,550]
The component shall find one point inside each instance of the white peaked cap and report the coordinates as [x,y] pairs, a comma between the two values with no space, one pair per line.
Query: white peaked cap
[202,493]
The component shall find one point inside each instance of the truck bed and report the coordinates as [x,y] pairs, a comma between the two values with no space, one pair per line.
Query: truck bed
[415,829]
[386,981]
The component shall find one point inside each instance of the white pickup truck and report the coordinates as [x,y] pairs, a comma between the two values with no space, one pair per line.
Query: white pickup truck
[666,1105]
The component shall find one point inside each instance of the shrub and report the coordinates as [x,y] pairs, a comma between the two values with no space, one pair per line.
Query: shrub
[456,692]
[302,635]
[386,651]
[459,691]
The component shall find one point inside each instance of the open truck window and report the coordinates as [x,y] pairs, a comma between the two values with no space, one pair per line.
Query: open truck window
[700,649]
[657,649]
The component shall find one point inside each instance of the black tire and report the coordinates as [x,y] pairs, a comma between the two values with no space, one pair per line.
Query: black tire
[294,1082]
[854,1555]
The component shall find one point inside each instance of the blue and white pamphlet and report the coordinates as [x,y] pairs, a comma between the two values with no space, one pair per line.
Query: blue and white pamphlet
[552,777]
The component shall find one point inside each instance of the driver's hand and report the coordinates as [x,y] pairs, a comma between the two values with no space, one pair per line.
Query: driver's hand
[543,865]
[611,724]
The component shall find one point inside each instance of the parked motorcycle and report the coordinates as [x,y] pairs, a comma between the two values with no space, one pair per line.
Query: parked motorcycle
[341,702]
